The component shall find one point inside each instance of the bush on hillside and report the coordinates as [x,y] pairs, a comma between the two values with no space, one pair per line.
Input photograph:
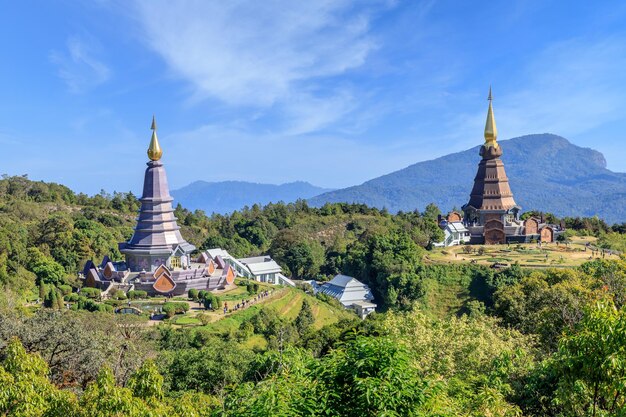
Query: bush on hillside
[65,289]
[90,292]
[173,307]
[136,294]
[119,295]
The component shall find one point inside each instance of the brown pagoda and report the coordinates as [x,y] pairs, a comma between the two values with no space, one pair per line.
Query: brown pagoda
[491,215]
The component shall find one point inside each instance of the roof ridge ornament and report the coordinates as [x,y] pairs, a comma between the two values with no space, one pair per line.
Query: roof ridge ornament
[154,150]
[491,131]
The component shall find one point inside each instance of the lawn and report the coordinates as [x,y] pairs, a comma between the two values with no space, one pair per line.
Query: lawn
[186,320]
[529,255]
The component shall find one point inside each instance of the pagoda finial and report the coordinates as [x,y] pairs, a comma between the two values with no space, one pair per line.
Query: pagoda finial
[491,132]
[154,150]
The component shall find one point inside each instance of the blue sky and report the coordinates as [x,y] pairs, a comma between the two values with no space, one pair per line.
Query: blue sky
[334,92]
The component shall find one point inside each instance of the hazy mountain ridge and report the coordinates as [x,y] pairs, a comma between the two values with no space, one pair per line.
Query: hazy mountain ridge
[546,172]
[227,196]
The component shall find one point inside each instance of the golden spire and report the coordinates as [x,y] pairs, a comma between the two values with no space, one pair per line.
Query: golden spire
[154,150]
[491,132]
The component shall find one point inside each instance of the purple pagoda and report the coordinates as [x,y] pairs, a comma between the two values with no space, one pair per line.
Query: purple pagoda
[157,258]
[157,240]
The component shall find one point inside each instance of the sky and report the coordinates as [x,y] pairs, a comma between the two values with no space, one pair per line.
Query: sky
[333,92]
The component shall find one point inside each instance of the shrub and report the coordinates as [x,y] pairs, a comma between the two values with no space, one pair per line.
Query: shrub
[169,309]
[119,295]
[71,297]
[105,308]
[332,301]
[136,294]
[209,302]
[246,330]
[90,292]
[172,307]
[65,289]
[202,294]
[193,294]
[204,318]
[305,286]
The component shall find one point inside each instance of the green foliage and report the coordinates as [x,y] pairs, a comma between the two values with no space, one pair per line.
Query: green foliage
[305,319]
[137,294]
[252,287]
[388,263]
[614,241]
[118,295]
[372,376]
[147,382]
[47,270]
[592,364]
[25,390]
[93,293]
[211,301]
[192,294]
[65,289]
[303,257]
[208,369]
[175,307]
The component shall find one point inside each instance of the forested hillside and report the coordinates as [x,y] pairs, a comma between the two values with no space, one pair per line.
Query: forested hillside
[515,342]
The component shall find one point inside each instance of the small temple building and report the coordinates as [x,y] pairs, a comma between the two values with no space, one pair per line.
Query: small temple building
[491,216]
[157,258]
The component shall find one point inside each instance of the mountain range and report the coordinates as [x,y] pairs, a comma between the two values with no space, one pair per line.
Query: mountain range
[228,196]
[546,173]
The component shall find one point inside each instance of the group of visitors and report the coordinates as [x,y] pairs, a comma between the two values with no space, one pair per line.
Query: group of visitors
[245,303]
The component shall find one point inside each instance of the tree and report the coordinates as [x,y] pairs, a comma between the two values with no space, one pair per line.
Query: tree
[47,269]
[147,382]
[25,389]
[103,398]
[431,212]
[372,376]
[303,257]
[305,319]
[592,364]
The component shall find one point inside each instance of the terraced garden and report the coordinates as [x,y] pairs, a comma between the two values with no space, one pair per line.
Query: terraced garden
[529,255]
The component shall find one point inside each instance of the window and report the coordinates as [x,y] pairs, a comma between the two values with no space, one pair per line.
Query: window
[174,262]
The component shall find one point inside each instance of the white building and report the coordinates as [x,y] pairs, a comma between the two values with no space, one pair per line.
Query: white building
[363,308]
[455,234]
[259,268]
[350,292]
[265,269]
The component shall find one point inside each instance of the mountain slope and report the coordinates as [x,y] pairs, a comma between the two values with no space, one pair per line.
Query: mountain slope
[228,196]
[546,172]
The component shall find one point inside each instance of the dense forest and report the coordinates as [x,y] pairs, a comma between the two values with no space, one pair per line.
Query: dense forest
[541,342]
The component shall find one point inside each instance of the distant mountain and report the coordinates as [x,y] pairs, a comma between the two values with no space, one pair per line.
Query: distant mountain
[546,172]
[228,196]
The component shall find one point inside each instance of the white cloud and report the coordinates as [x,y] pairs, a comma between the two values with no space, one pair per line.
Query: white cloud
[568,88]
[78,67]
[270,55]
